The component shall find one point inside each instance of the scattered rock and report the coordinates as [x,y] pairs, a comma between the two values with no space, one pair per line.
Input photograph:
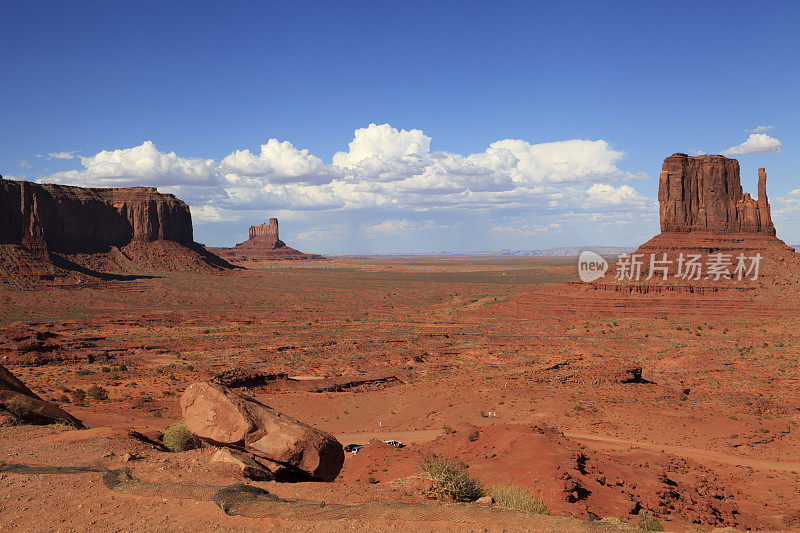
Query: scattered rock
[217,414]
[485,500]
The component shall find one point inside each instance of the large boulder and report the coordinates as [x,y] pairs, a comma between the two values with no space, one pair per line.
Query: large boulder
[218,415]
[24,406]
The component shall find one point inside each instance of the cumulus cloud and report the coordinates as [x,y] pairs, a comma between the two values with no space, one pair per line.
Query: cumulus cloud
[207,214]
[140,165]
[384,169]
[757,143]
[762,129]
[278,162]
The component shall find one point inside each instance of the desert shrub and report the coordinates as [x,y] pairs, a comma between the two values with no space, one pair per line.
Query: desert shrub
[517,498]
[20,407]
[648,522]
[96,392]
[79,396]
[83,372]
[178,439]
[474,435]
[450,478]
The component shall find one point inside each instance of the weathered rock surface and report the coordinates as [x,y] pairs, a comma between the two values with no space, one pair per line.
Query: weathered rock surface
[69,219]
[704,193]
[21,403]
[243,465]
[103,230]
[264,244]
[217,414]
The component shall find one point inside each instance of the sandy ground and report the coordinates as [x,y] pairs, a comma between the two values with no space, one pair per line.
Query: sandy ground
[497,365]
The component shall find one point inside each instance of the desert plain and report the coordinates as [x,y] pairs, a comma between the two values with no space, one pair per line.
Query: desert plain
[603,404]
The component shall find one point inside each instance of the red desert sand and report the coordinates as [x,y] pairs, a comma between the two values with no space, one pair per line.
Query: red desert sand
[227,398]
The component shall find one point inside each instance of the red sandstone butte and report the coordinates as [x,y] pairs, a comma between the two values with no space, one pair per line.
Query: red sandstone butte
[263,245]
[704,211]
[703,193]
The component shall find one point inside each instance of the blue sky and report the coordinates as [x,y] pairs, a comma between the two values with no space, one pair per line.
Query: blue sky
[495,125]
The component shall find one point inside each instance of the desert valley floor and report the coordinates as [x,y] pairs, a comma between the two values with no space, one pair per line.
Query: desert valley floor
[494,361]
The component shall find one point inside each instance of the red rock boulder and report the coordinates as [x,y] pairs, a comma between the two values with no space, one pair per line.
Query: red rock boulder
[217,414]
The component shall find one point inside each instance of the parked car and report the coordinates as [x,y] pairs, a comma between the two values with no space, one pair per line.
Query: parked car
[353,448]
[395,443]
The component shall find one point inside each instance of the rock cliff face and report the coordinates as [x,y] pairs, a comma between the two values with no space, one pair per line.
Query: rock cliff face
[49,230]
[704,194]
[76,219]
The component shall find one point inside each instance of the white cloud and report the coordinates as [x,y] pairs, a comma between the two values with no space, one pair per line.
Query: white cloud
[278,162]
[396,227]
[603,194]
[140,165]
[59,155]
[757,143]
[376,146]
[762,129]
[337,231]
[207,214]
[24,164]
[385,169]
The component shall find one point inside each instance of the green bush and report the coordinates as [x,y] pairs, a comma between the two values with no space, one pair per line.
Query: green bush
[79,396]
[648,522]
[474,435]
[517,498]
[178,439]
[97,393]
[450,478]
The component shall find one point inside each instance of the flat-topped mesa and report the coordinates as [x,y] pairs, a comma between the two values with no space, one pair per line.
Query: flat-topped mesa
[66,218]
[704,194]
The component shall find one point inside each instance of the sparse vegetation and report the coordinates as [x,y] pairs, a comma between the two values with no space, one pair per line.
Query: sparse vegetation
[648,522]
[518,499]
[178,439]
[20,407]
[474,435]
[95,392]
[79,396]
[450,478]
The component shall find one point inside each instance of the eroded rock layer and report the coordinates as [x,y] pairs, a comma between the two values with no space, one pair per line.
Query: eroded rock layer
[48,228]
[704,193]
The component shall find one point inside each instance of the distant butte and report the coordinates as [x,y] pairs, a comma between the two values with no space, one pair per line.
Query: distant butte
[263,245]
